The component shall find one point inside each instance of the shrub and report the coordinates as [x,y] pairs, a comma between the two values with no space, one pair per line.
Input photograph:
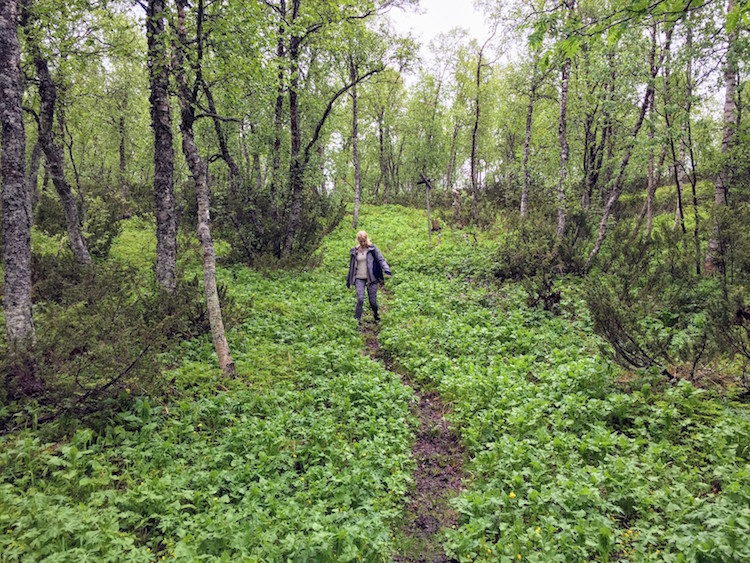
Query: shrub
[100,331]
[655,310]
[102,225]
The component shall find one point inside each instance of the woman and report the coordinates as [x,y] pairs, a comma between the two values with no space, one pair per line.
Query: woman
[366,268]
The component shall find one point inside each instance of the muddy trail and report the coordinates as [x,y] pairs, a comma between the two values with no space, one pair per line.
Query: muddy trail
[437,478]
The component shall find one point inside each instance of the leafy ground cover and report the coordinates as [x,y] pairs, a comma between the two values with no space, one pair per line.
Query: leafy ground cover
[565,466]
[304,457]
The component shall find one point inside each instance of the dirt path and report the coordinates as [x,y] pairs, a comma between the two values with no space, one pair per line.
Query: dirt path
[437,478]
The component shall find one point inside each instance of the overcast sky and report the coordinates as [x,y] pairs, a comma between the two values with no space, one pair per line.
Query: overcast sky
[439,16]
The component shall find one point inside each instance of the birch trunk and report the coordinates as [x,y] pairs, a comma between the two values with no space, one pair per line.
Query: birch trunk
[200,176]
[714,259]
[123,162]
[651,188]
[679,216]
[278,128]
[16,198]
[355,153]
[473,162]
[56,160]
[53,154]
[526,153]
[562,135]
[161,122]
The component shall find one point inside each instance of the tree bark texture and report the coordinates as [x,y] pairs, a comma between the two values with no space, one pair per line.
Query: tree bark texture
[199,172]
[382,163]
[161,122]
[16,198]
[714,261]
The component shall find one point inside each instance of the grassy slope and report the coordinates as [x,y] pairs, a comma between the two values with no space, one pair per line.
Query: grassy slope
[306,456]
[564,466]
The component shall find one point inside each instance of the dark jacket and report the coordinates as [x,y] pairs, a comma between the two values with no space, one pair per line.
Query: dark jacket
[373,254]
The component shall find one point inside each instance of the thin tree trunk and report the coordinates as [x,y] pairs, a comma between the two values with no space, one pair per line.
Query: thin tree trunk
[245,152]
[296,171]
[123,162]
[322,168]
[16,199]
[473,160]
[278,121]
[594,152]
[382,164]
[355,153]
[651,188]
[527,152]
[456,206]
[54,157]
[714,258]
[693,176]
[609,127]
[562,133]
[33,176]
[200,176]
[427,186]
[647,211]
[679,218]
[452,158]
[617,188]
[235,174]
[562,136]
[161,122]
[67,140]
[396,170]
[300,159]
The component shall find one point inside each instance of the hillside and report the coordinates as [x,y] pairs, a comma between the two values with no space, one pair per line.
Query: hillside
[306,455]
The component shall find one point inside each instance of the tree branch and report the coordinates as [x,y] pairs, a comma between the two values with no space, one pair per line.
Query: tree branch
[329,108]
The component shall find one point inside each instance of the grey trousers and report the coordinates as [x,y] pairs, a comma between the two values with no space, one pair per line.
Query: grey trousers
[372,294]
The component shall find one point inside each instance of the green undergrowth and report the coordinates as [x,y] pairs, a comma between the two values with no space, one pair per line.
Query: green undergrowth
[304,456]
[564,465]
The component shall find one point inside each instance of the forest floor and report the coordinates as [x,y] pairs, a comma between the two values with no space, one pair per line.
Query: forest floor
[438,475]
[469,426]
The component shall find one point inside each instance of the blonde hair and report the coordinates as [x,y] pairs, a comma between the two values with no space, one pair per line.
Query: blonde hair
[362,236]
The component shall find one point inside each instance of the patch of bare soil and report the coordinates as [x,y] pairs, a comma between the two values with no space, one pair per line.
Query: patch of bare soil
[437,478]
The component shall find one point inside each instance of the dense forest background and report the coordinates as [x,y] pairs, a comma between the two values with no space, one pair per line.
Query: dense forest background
[579,125]
[166,162]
